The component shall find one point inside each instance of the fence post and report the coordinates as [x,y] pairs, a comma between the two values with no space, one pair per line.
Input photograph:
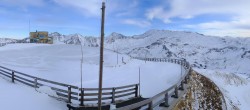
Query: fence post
[113,96]
[69,94]
[185,80]
[81,97]
[166,100]
[181,86]
[176,92]
[35,83]
[150,106]
[136,90]
[13,76]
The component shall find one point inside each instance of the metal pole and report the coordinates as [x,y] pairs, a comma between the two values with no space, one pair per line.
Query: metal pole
[181,71]
[29,25]
[101,58]
[139,81]
[117,55]
[13,76]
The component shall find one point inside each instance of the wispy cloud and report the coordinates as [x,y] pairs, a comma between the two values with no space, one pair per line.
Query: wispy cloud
[233,28]
[203,16]
[187,9]
[127,9]
[139,23]
[158,13]
[87,7]
[191,8]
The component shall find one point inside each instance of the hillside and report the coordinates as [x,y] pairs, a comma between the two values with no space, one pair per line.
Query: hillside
[7,40]
[207,52]
[224,60]
[209,55]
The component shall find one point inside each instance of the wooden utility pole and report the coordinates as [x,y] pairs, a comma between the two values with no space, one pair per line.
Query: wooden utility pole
[101,57]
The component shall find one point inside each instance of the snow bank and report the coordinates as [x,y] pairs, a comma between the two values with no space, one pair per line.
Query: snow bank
[21,97]
[235,87]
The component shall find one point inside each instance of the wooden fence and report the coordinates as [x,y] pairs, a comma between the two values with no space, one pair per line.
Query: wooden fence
[163,97]
[112,94]
[68,92]
[65,92]
[3,44]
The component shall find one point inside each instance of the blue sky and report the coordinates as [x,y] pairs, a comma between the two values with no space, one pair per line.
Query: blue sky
[128,17]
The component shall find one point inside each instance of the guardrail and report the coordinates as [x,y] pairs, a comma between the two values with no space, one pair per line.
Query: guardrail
[163,97]
[67,92]
[113,94]
[3,44]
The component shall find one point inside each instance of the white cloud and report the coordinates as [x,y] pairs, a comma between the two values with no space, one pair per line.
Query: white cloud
[232,28]
[186,9]
[158,13]
[228,32]
[190,8]
[126,8]
[139,23]
[87,7]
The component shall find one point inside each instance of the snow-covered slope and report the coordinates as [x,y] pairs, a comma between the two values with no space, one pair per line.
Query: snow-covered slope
[200,50]
[74,39]
[61,63]
[21,97]
[208,55]
[212,54]
[7,40]
[224,53]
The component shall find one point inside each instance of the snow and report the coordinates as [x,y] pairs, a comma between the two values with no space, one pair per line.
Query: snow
[46,90]
[61,63]
[225,55]
[21,97]
[7,40]
[235,88]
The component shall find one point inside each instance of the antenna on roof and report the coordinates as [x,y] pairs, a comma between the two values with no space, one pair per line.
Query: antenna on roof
[29,25]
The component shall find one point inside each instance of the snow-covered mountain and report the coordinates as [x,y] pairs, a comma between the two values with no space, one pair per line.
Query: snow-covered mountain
[201,51]
[226,53]
[74,39]
[224,60]
[7,40]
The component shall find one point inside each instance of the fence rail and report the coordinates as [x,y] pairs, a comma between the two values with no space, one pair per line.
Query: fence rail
[67,92]
[163,97]
[3,44]
[112,94]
